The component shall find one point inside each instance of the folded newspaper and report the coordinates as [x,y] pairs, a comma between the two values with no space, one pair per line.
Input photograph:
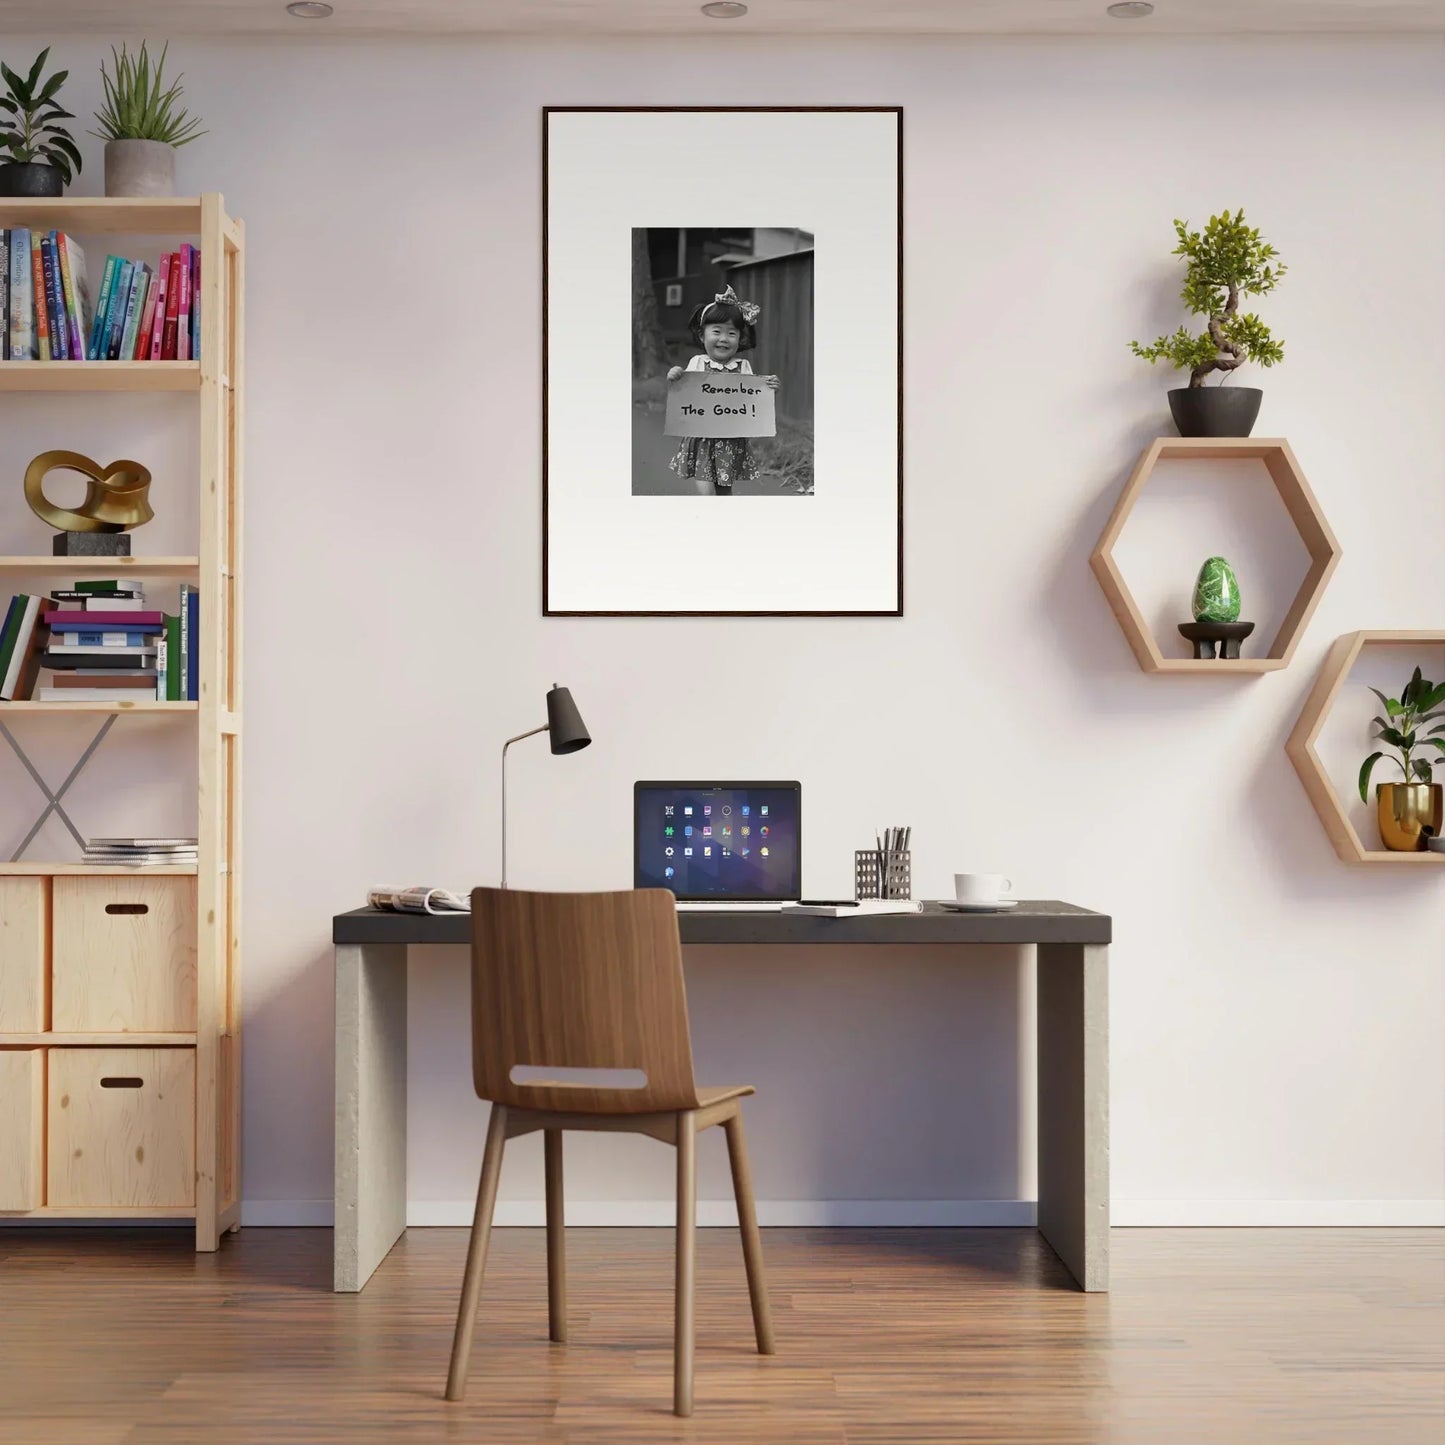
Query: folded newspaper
[419,900]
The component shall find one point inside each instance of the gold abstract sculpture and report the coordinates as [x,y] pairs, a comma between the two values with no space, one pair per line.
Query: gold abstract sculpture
[115,496]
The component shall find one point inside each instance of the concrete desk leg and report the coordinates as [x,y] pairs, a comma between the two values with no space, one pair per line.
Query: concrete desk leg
[370,1108]
[1073,1047]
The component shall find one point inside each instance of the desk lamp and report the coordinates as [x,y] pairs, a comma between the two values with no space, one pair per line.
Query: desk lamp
[568,734]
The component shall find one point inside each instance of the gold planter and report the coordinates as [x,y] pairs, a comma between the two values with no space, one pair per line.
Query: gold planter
[1409,813]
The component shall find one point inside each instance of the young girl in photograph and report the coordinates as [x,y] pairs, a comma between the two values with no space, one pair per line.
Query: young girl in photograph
[724,330]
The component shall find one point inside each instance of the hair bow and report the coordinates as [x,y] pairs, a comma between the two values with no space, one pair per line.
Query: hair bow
[750,309]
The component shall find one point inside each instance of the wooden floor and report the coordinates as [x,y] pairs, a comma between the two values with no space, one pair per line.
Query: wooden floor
[1209,1337]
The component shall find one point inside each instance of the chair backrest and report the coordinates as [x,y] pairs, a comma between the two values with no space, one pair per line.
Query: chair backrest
[579,981]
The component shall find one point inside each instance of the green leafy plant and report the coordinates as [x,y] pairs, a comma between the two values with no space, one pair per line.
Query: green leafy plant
[138,104]
[1421,702]
[1224,262]
[29,134]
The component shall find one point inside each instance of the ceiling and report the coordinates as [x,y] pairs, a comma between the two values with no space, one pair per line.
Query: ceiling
[673,17]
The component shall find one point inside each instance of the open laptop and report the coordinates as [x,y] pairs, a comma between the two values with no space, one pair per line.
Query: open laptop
[720,845]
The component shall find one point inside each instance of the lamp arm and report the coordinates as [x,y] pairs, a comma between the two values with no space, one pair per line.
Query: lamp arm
[529,734]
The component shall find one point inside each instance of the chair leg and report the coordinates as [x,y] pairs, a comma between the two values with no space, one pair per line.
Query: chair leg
[556,1238]
[752,1240]
[684,1322]
[477,1253]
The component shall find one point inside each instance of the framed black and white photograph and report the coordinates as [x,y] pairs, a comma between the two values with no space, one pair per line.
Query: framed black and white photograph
[723,370]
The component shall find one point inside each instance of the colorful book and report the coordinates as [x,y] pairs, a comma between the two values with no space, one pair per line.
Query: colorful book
[141,350]
[115,317]
[66,619]
[68,659]
[24,664]
[192,647]
[77,293]
[195,303]
[158,323]
[140,279]
[96,349]
[173,674]
[99,601]
[100,639]
[54,300]
[37,291]
[22,302]
[173,302]
[13,614]
[4,295]
[109,585]
[100,677]
[183,306]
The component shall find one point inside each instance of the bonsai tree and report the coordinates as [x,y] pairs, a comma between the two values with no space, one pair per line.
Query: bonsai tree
[1420,703]
[29,110]
[1224,263]
[139,105]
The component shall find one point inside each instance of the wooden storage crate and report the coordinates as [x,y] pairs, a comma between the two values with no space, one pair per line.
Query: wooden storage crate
[121,1128]
[24,937]
[123,956]
[22,1128]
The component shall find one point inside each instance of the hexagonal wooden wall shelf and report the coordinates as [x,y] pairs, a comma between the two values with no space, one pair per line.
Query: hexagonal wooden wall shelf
[1304,511]
[1301,747]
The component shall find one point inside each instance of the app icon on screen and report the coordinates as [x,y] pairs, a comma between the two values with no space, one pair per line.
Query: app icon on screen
[707,810]
[726,854]
[727,808]
[667,810]
[668,830]
[763,831]
[727,832]
[746,830]
[763,851]
[669,872]
[743,852]
[687,810]
[668,850]
[746,810]
[707,852]
[687,830]
[763,811]
[707,831]
[687,852]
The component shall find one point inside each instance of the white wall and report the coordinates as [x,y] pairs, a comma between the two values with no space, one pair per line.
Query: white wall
[1276,1017]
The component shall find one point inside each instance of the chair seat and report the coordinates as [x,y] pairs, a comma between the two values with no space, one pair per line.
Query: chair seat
[722,1093]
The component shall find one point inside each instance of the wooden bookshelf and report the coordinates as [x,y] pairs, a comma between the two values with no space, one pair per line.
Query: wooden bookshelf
[100,376]
[208,891]
[100,566]
[1284,474]
[1300,745]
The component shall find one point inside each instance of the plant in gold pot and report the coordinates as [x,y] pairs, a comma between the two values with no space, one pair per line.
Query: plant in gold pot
[1409,812]
[141,124]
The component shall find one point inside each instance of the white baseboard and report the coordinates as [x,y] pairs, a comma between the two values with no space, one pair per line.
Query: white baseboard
[899,1213]
[1277,1213]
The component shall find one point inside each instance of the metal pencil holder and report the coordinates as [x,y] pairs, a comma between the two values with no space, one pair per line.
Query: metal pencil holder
[882,875]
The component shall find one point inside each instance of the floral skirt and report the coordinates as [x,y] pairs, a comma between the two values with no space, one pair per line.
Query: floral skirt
[718,460]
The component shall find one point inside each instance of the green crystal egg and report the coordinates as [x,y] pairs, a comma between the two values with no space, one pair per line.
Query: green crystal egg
[1216,592]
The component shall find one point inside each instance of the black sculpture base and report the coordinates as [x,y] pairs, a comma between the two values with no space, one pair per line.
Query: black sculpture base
[1207,635]
[91,544]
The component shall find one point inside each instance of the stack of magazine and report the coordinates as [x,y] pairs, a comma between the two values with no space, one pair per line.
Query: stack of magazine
[141,852]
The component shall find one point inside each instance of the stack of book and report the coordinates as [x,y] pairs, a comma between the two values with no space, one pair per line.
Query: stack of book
[141,852]
[141,313]
[102,644]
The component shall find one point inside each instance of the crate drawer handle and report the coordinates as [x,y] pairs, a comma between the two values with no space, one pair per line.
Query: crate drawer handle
[127,908]
[121,1082]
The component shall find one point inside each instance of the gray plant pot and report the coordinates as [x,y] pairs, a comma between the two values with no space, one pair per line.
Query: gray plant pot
[30,178]
[140,168]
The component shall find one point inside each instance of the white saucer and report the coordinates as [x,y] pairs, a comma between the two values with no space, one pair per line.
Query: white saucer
[953,906]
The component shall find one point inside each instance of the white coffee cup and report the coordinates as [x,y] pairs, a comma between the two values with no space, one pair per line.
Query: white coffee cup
[981,887]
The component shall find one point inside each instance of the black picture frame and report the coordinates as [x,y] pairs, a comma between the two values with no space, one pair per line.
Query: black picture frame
[547,112]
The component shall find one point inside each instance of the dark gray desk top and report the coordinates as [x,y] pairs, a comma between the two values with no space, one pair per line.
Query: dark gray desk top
[1033,921]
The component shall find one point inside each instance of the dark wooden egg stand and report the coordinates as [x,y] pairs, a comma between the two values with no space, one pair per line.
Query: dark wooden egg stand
[1206,636]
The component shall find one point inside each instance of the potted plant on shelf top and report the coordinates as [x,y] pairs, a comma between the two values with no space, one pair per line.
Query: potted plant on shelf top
[141,125]
[1225,262]
[1409,812]
[37,156]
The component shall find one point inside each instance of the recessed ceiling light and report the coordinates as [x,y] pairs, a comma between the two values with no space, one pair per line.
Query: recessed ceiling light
[1131,9]
[310,9]
[725,10]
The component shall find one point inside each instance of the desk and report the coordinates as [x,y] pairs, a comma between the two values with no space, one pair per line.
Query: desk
[1073,1056]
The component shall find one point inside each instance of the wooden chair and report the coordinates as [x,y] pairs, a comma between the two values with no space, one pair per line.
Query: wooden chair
[574,981]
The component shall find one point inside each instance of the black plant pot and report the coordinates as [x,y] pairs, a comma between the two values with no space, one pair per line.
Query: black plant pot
[30,178]
[1215,411]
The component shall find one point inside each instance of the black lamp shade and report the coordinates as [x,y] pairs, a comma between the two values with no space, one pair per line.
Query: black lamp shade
[565,729]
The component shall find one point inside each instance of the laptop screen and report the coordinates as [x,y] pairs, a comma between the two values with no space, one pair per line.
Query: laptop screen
[723,841]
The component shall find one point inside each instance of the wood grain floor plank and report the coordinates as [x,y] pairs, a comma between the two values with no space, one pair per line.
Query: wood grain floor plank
[909,1337]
